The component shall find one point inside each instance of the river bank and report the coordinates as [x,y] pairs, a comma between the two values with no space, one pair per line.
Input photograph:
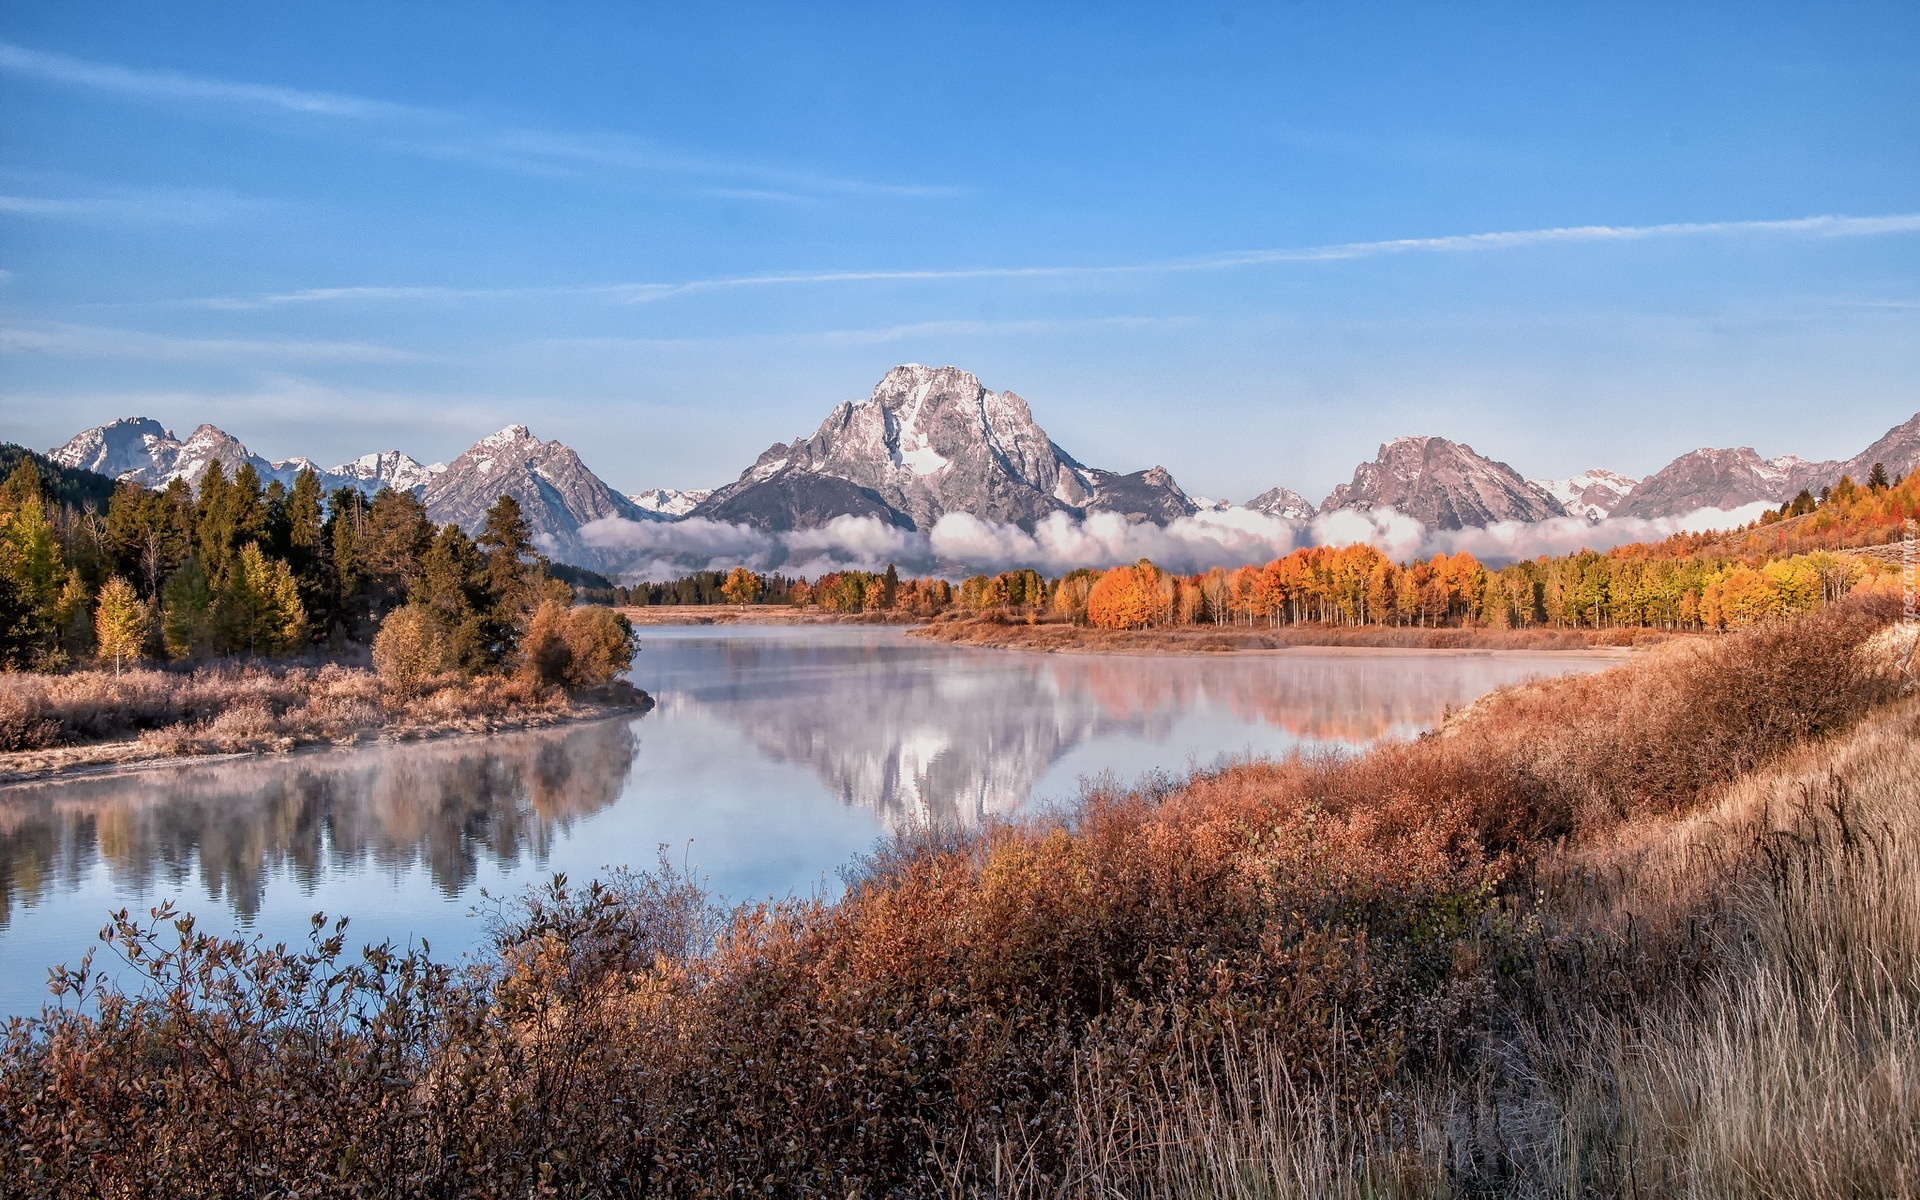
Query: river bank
[758,614]
[95,721]
[1060,637]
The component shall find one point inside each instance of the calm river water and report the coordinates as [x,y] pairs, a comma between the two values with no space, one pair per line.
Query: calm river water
[776,754]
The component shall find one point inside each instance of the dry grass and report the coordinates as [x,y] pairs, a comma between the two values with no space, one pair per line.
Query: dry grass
[53,722]
[1537,955]
[1004,631]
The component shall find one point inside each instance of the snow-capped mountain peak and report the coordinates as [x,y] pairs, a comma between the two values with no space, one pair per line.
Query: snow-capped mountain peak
[669,502]
[1284,503]
[1591,494]
[927,442]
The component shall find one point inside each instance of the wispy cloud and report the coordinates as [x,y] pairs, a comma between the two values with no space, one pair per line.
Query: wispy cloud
[446,134]
[170,207]
[1816,227]
[85,342]
[885,334]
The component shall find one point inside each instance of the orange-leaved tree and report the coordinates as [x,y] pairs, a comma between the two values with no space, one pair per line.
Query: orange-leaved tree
[1131,597]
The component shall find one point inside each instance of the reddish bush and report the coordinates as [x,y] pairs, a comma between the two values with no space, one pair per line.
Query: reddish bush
[967,994]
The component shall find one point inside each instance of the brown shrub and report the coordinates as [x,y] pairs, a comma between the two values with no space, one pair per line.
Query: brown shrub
[575,647]
[409,650]
[973,1014]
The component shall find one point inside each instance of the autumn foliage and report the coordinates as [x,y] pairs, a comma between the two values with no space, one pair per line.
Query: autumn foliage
[974,1013]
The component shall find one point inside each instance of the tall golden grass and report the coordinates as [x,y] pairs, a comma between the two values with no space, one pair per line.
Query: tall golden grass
[1537,953]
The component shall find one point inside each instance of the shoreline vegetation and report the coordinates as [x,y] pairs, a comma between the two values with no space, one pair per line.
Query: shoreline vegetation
[88,722]
[285,618]
[1650,931]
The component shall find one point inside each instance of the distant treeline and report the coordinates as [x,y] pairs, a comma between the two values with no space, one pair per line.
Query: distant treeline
[701,587]
[1778,566]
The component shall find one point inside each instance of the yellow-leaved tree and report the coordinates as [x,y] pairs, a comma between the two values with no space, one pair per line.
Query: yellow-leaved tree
[742,587]
[120,623]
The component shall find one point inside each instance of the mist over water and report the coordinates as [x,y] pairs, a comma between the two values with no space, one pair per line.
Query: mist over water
[774,756]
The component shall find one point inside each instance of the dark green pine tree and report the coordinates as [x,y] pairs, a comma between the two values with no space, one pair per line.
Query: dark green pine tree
[1877,478]
[347,613]
[452,587]
[513,572]
[305,538]
[397,537]
[249,507]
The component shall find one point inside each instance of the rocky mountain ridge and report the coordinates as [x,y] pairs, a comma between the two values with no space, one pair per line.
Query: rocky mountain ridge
[1443,485]
[931,441]
[1721,478]
[555,489]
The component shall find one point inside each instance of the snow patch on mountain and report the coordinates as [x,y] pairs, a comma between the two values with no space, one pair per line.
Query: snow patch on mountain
[669,502]
[931,441]
[1591,494]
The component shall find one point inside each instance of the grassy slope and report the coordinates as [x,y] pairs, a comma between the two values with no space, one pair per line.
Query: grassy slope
[1410,972]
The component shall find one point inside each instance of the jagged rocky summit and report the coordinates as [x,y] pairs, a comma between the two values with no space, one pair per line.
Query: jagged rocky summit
[928,442]
[1284,503]
[556,491]
[1443,485]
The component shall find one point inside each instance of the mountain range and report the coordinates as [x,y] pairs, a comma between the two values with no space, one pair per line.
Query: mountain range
[145,452]
[933,441]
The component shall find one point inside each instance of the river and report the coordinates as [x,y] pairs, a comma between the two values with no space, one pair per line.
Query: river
[775,756]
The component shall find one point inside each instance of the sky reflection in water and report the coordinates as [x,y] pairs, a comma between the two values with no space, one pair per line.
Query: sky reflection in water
[775,755]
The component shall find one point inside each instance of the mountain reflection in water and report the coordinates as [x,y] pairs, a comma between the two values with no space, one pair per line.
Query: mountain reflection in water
[950,736]
[774,756]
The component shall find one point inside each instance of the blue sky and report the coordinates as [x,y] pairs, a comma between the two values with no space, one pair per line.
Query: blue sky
[1242,241]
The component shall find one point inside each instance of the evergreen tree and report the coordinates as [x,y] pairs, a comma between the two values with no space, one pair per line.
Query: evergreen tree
[346,611]
[72,619]
[276,533]
[306,546]
[214,521]
[398,535]
[19,632]
[452,589]
[514,572]
[258,610]
[186,609]
[30,558]
[1877,478]
[249,506]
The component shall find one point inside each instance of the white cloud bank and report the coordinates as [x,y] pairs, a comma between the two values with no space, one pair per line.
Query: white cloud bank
[963,545]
